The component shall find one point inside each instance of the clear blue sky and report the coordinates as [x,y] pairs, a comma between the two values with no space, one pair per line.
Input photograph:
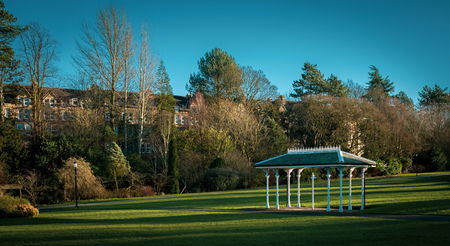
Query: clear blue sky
[409,40]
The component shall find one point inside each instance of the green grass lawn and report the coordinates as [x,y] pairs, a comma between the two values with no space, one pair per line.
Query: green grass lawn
[132,223]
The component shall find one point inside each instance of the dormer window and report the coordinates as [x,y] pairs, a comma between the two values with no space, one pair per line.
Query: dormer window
[74,101]
[52,102]
[24,101]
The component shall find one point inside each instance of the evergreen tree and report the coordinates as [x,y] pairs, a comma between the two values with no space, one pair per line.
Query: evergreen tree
[166,101]
[379,83]
[218,76]
[118,165]
[430,96]
[173,184]
[313,82]
[12,153]
[403,98]
[9,67]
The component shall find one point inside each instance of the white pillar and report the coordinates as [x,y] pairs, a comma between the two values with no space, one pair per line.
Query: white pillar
[298,187]
[267,187]
[350,188]
[328,193]
[288,171]
[341,174]
[362,187]
[277,176]
[312,178]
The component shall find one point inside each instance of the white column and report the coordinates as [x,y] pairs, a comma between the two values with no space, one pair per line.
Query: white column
[362,187]
[298,186]
[328,193]
[341,174]
[277,176]
[312,178]
[267,187]
[350,188]
[288,171]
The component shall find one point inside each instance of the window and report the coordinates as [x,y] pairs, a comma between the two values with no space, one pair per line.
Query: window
[131,148]
[177,109]
[63,104]
[54,128]
[107,116]
[52,103]
[47,102]
[182,120]
[20,114]
[64,116]
[20,126]
[27,129]
[27,114]
[7,112]
[26,102]
[74,101]
[130,117]
[48,115]
[177,119]
[20,100]
[146,148]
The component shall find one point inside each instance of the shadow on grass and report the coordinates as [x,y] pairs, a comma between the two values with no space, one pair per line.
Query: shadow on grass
[163,228]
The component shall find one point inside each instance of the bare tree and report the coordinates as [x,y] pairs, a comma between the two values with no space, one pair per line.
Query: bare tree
[38,51]
[147,62]
[128,75]
[102,48]
[256,86]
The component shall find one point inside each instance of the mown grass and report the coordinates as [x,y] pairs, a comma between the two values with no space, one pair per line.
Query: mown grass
[132,223]
[406,195]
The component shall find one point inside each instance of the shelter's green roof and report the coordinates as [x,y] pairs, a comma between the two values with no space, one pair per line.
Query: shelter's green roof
[315,157]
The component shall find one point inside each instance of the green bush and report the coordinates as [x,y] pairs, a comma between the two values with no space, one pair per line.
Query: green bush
[221,179]
[393,166]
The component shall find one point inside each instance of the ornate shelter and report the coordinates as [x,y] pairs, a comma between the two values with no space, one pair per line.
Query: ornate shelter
[326,157]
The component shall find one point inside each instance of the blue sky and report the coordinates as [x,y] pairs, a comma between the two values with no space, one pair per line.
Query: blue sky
[407,40]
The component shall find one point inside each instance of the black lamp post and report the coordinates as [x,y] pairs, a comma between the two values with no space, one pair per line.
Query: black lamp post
[76,188]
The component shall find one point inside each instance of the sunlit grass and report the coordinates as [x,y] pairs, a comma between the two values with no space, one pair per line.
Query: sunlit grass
[420,195]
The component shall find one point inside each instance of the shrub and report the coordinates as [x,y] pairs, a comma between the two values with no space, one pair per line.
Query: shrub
[391,167]
[88,185]
[221,179]
[25,211]
[16,207]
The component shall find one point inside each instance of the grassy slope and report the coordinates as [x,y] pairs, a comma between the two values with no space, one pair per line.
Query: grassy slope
[94,226]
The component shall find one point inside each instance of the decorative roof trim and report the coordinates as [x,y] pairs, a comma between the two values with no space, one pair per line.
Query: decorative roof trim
[314,150]
[336,149]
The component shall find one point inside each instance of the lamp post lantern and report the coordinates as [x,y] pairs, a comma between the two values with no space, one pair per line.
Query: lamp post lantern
[76,188]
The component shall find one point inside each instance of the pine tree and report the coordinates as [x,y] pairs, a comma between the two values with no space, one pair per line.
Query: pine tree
[379,83]
[166,100]
[173,184]
[9,71]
